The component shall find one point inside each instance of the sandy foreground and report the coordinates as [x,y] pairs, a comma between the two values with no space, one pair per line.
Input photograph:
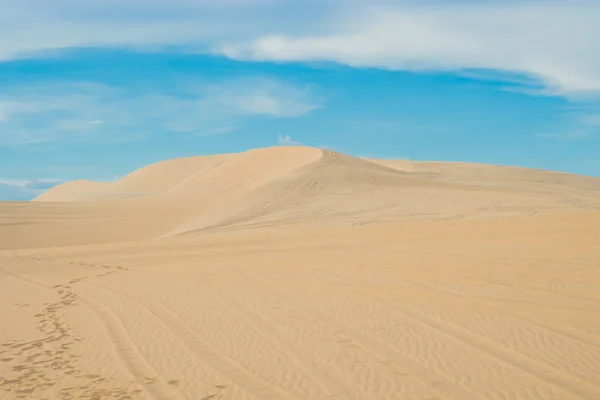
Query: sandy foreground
[296,273]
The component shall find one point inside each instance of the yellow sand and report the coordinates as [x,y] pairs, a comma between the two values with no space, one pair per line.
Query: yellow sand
[296,273]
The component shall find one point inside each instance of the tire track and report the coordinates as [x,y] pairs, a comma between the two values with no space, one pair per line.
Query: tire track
[129,353]
[233,370]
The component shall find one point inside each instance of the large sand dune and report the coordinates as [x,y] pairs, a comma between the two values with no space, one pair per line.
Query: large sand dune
[297,273]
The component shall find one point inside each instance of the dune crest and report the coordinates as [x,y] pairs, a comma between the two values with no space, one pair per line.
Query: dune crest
[287,185]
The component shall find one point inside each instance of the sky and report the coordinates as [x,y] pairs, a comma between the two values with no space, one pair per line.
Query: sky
[95,89]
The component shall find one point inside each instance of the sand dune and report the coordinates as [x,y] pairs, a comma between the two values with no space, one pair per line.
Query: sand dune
[284,186]
[297,273]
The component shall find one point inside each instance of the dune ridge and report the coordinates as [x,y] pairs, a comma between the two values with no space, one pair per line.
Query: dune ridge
[291,185]
[301,273]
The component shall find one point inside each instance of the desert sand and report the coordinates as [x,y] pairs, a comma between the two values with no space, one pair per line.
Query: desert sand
[299,273]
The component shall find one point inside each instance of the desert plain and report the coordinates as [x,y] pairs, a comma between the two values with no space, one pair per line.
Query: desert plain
[298,273]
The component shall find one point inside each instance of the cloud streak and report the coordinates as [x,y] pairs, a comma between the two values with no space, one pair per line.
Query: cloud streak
[583,123]
[91,112]
[33,26]
[553,42]
[24,189]
[286,140]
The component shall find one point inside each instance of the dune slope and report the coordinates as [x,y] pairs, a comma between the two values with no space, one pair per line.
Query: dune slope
[286,186]
[296,273]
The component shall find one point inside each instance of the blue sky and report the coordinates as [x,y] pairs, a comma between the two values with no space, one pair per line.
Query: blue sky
[98,89]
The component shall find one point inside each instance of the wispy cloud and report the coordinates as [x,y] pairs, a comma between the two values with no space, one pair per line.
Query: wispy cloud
[286,140]
[572,134]
[24,189]
[553,42]
[584,123]
[592,120]
[91,112]
[556,43]
[30,27]
[264,97]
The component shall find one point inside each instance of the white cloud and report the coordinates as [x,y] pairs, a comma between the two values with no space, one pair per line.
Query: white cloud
[24,189]
[3,113]
[286,140]
[28,27]
[219,130]
[32,184]
[591,120]
[264,97]
[13,193]
[78,112]
[584,123]
[555,42]
[576,134]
